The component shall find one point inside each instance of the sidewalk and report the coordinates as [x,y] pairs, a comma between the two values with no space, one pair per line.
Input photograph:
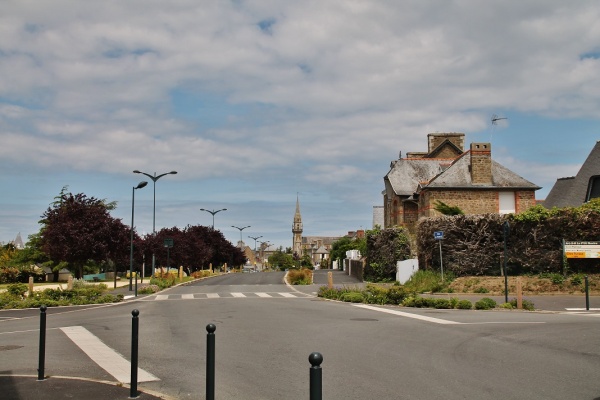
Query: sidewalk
[55,388]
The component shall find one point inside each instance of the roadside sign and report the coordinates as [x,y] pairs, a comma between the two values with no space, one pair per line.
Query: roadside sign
[582,249]
[168,243]
[438,235]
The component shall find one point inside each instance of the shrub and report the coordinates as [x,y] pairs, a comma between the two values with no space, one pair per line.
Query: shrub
[576,280]
[396,295]
[352,297]
[527,305]
[375,294]
[442,304]
[481,289]
[164,282]
[300,277]
[485,304]
[557,279]
[464,305]
[17,290]
[428,281]
[508,306]
[149,289]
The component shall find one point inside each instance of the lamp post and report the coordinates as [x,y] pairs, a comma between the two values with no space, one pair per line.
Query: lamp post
[139,186]
[213,212]
[255,239]
[241,229]
[263,247]
[154,179]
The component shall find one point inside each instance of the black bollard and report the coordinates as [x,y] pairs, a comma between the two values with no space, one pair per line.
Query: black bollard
[316,376]
[135,325]
[210,361]
[42,356]
[587,294]
[136,284]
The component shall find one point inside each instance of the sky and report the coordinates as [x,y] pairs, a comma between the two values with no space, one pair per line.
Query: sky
[259,103]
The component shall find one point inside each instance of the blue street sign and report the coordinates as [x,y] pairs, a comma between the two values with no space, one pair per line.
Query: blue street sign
[438,235]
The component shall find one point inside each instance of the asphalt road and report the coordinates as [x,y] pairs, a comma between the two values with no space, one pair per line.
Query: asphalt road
[266,331]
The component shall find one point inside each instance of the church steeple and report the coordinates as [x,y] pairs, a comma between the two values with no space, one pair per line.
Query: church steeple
[297,230]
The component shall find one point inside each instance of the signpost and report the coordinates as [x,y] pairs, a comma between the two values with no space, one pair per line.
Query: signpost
[582,249]
[439,236]
[168,243]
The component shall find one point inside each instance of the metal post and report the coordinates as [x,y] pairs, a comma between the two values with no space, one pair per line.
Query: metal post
[135,284]
[42,356]
[505,231]
[441,263]
[135,323]
[587,293]
[210,361]
[316,376]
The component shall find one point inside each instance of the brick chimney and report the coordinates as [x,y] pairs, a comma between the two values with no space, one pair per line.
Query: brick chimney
[481,163]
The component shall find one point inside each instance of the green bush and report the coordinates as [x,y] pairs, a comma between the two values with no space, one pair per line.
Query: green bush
[485,304]
[352,297]
[164,282]
[481,289]
[527,305]
[442,304]
[396,295]
[557,279]
[428,281]
[464,305]
[17,289]
[576,280]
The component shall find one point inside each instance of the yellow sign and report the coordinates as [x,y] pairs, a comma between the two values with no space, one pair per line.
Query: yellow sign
[582,249]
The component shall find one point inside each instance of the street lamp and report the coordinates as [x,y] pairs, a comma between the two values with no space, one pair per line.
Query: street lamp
[139,186]
[241,229]
[213,212]
[255,239]
[154,179]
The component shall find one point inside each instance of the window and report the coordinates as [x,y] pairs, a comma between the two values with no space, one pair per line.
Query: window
[506,202]
[593,188]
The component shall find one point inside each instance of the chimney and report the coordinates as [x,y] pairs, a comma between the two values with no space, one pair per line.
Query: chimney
[481,163]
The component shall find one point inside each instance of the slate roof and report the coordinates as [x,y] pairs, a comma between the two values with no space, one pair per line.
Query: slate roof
[411,174]
[572,191]
[459,176]
[406,174]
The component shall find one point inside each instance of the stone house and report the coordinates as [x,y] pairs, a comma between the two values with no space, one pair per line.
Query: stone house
[470,180]
[573,191]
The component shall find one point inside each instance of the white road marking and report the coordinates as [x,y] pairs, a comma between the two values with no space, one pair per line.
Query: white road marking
[162,297]
[234,294]
[287,295]
[212,295]
[111,361]
[582,309]
[187,296]
[408,315]
[263,295]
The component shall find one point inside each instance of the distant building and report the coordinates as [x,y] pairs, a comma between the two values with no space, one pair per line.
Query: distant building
[317,247]
[378,216]
[573,191]
[18,242]
[470,180]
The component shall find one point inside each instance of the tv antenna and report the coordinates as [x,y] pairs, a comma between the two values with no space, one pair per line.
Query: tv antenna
[495,120]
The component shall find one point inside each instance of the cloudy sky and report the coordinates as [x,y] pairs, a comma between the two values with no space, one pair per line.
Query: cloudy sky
[257,102]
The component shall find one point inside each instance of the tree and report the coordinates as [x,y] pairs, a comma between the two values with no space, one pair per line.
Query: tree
[281,260]
[79,228]
[445,209]
[344,244]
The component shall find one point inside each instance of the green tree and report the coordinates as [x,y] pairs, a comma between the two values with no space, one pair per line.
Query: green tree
[281,260]
[445,209]
[344,244]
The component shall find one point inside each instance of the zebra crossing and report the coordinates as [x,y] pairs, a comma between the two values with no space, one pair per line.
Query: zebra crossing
[229,295]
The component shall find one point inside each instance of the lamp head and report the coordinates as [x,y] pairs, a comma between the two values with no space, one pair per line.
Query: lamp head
[137,172]
[141,185]
[173,172]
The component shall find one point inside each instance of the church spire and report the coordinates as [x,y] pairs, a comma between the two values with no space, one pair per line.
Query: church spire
[297,229]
